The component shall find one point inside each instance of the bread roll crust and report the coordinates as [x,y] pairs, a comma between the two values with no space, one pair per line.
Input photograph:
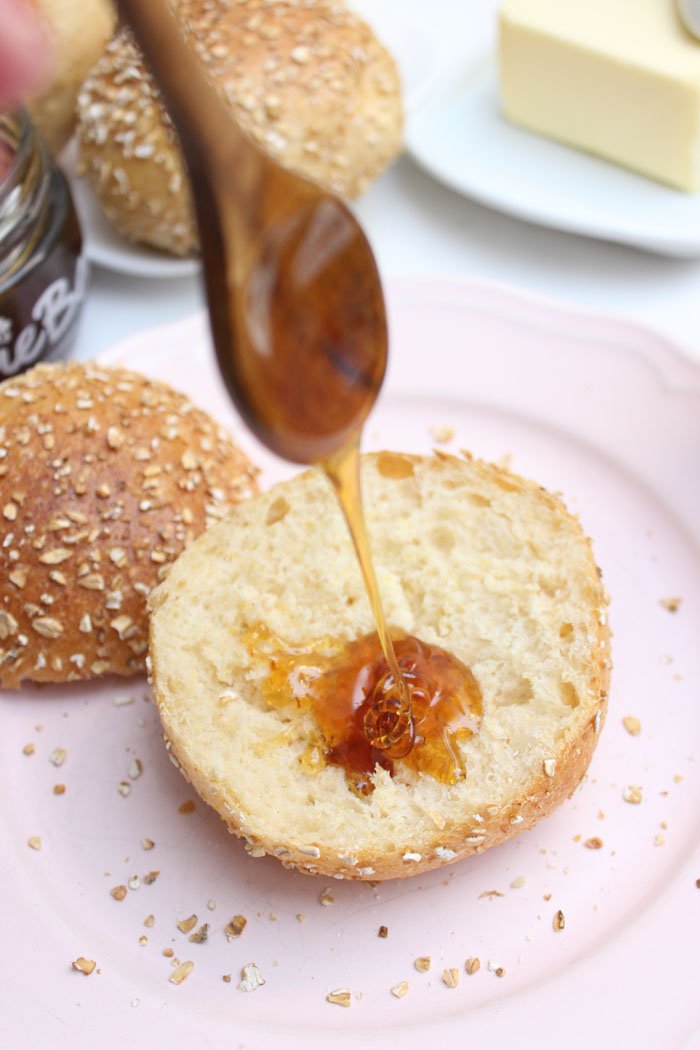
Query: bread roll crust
[309,81]
[532,751]
[105,475]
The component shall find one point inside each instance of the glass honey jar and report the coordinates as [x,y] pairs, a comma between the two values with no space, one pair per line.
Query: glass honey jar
[43,273]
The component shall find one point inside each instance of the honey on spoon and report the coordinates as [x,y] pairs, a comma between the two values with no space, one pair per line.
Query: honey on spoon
[299,328]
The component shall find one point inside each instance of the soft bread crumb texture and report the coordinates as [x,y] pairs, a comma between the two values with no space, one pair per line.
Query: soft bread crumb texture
[469,557]
[105,476]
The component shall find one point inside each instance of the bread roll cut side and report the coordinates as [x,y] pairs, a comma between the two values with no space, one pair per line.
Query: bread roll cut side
[469,557]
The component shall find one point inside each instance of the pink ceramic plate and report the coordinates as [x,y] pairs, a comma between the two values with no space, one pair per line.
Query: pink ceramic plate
[602,410]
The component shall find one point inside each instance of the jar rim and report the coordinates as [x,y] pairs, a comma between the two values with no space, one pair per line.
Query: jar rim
[17,131]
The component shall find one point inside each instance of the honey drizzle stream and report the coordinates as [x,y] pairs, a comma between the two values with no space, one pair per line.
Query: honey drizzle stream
[390,724]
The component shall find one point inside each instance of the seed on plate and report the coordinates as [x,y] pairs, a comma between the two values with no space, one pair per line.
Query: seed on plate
[143,940]
[200,935]
[422,963]
[558,922]
[118,892]
[251,978]
[226,977]
[187,807]
[34,842]
[211,905]
[450,977]
[549,766]
[122,701]
[147,843]
[124,788]
[28,749]
[472,965]
[326,898]
[57,756]
[59,789]
[181,973]
[185,925]
[236,926]
[400,989]
[594,842]
[632,725]
[383,931]
[340,997]
[83,965]
[134,882]
[301,917]
[149,921]
[632,794]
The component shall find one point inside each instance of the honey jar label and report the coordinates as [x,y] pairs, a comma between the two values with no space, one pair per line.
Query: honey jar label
[49,323]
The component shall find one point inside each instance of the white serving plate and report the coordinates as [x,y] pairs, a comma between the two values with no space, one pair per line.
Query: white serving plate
[608,413]
[463,141]
[418,52]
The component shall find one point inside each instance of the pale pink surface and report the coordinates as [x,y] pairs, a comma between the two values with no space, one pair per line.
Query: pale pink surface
[609,414]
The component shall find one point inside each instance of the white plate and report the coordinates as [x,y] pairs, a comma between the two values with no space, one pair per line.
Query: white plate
[609,414]
[462,139]
[418,52]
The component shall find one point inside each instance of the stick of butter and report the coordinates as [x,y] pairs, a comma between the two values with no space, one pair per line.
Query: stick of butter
[618,78]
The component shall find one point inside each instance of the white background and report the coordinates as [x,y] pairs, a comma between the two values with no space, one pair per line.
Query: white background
[417,227]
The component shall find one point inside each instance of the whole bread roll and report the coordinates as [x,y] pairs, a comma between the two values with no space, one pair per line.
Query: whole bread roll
[470,558]
[79,31]
[308,80]
[104,477]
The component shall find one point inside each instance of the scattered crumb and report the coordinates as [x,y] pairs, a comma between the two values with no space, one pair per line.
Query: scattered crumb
[57,756]
[226,977]
[340,997]
[600,815]
[59,789]
[181,973]
[677,778]
[559,922]
[518,883]
[149,921]
[185,925]
[118,892]
[151,877]
[594,842]
[400,989]
[671,605]
[147,843]
[442,434]
[135,769]
[187,807]
[168,953]
[83,965]
[697,884]
[547,896]
[200,935]
[422,963]
[211,905]
[659,840]
[251,978]
[124,788]
[235,927]
[134,882]
[496,968]
[472,965]
[632,794]
[450,977]
[28,749]
[490,893]
[383,931]
[34,842]
[122,701]
[326,899]
[632,725]
[300,917]
[143,940]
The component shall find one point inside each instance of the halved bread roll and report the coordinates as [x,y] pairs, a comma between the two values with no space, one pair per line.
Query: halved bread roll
[470,558]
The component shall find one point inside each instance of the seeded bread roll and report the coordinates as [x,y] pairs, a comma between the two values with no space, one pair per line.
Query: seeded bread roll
[104,477]
[470,558]
[308,80]
[78,31]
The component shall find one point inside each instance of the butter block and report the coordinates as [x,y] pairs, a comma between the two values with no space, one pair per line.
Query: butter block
[617,78]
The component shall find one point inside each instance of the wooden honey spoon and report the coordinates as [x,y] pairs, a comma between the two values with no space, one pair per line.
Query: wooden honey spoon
[295,304]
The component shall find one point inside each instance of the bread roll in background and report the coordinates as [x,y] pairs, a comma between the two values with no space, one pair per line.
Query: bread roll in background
[78,30]
[469,557]
[308,80]
[104,477]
